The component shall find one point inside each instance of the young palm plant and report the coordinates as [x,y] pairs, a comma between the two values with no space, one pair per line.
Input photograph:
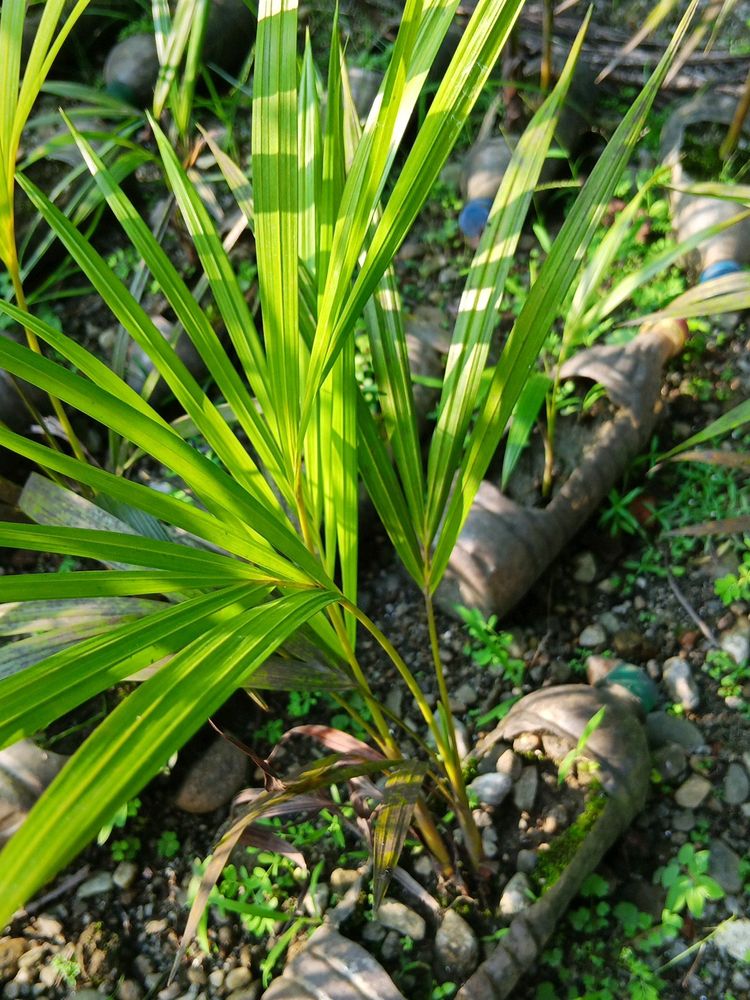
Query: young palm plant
[265,557]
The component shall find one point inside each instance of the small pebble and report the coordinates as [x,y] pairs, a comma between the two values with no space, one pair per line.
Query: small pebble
[734,939]
[693,792]
[97,885]
[526,861]
[237,979]
[670,761]
[373,931]
[524,790]
[466,693]
[592,636]
[677,678]
[517,896]
[491,789]
[397,917]
[683,820]
[456,947]
[125,873]
[129,989]
[509,763]
[527,743]
[251,992]
[584,568]
[724,866]
[343,878]
[737,643]
[47,927]
[489,842]
[736,784]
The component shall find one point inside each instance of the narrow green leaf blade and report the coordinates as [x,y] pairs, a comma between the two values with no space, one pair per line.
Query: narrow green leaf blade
[524,417]
[541,306]
[482,296]
[275,179]
[391,823]
[137,738]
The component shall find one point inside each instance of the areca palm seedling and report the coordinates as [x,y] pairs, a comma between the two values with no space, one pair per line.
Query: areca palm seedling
[259,557]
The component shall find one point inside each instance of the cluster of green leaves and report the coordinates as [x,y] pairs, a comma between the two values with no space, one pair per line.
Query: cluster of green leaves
[490,648]
[736,586]
[688,884]
[264,894]
[594,932]
[581,954]
[730,675]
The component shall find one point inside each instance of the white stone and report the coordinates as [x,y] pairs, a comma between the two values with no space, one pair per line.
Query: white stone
[491,789]
[591,636]
[736,785]
[97,885]
[517,896]
[397,917]
[733,938]
[737,644]
[677,677]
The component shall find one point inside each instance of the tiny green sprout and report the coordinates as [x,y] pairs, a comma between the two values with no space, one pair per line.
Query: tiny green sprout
[490,648]
[631,919]
[66,968]
[577,752]
[168,844]
[444,991]
[688,883]
[125,849]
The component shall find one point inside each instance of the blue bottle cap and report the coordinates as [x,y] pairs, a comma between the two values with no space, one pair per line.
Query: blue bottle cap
[718,269]
[473,217]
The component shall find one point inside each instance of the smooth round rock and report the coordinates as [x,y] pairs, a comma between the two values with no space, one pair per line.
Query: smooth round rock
[213,778]
[724,866]
[679,682]
[397,917]
[663,728]
[517,896]
[456,947]
[238,979]
[736,643]
[524,790]
[693,792]
[736,784]
[493,788]
[592,636]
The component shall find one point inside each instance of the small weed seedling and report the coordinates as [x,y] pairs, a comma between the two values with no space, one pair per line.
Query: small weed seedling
[126,811]
[736,586]
[583,947]
[168,844]
[688,883]
[490,648]
[731,676]
[67,969]
[125,849]
[575,755]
